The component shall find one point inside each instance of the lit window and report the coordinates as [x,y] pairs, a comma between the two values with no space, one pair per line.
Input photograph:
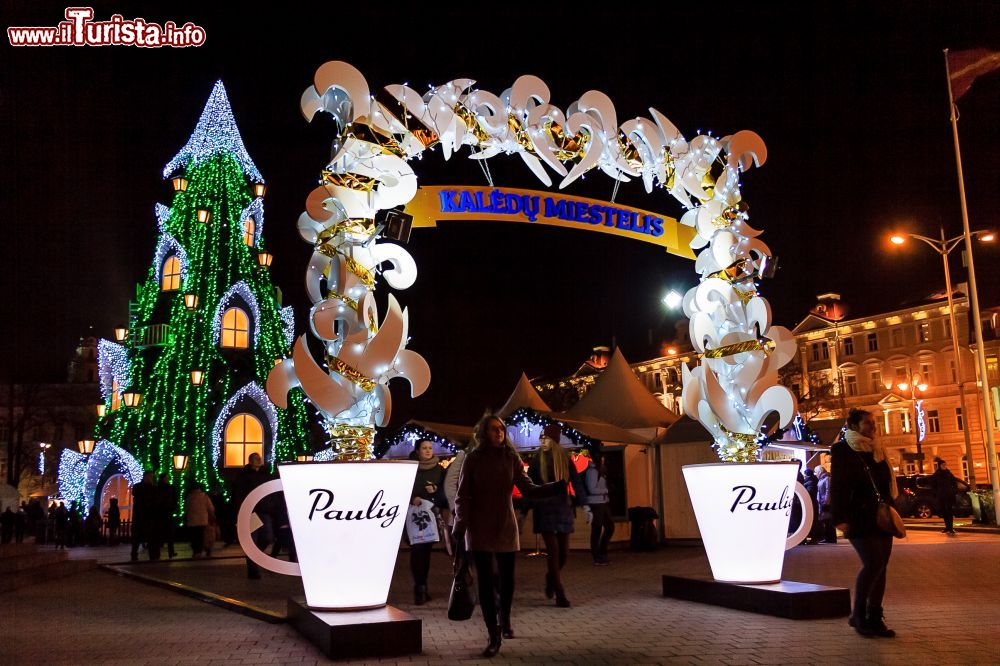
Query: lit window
[927,373]
[244,436]
[848,346]
[924,331]
[235,329]
[959,419]
[876,378]
[897,336]
[872,342]
[904,421]
[852,384]
[933,421]
[116,396]
[992,369]
[248,231]
[171,280]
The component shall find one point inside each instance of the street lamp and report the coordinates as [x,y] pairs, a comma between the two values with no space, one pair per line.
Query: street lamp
[121,332]
[197,377]
[86,446]
[101,410]
[944,247]
[913,384]
[180,462]
[673,299]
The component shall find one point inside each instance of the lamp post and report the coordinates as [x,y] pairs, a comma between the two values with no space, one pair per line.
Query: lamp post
[915,383]
[944,247]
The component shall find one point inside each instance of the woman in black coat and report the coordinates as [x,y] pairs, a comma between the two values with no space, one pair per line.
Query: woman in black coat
[858,465]
[427,485]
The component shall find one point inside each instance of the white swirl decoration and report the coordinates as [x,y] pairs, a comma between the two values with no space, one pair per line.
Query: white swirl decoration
[731,394]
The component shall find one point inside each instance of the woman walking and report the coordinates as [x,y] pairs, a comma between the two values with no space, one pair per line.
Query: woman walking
[428,485]
[200,514]
[485,519]
[860,474]
[602,524]
[554,517]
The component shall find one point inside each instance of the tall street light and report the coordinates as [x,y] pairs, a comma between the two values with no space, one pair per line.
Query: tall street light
[944,247]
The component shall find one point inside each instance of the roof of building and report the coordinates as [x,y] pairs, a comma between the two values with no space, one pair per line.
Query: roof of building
[619,398]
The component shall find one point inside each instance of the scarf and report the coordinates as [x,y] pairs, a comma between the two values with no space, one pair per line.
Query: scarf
[430,464]
[862,444]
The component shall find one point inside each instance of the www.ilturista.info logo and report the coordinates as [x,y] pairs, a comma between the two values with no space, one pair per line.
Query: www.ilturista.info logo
[79,29]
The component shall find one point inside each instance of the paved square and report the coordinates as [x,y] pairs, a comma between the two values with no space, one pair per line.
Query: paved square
[942,599]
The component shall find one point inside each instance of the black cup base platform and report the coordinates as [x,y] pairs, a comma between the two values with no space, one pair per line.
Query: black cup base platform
[797,601]
[380,632]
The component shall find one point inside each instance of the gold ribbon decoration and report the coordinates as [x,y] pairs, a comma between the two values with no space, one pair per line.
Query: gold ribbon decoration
[765,345]
[351,442]
[745,448]
[367,384]
[352,181]
[348,301]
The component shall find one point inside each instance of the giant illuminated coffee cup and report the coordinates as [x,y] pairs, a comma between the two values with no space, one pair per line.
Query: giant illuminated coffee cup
[346,519]
[743,512]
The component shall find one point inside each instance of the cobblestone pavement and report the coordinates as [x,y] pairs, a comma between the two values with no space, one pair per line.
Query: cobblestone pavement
[942,598]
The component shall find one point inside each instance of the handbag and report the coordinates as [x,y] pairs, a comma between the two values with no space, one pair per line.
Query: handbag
[886,516]
[461,600]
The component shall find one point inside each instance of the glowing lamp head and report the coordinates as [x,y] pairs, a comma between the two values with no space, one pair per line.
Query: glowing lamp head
[897,239]
[204,215]
[988,237]
[197,377]
[180,184]
[304,458]
[259,189]
[180,462]
[101,410]
[921,387]
[671,351]
[903,386]
[86,446]
[132,398]
[121,332]
[265,259]
[672,300]
[191,301]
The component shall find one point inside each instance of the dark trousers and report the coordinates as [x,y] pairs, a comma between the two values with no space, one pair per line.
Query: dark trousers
[947,512]
[263,536]
[420,562]
[557,549]
[495,585]
[869,589]
[197,538]
[151,537]
[602,528]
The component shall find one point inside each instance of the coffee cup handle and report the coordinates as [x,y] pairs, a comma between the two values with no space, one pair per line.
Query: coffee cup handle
[800,534]
[244,532]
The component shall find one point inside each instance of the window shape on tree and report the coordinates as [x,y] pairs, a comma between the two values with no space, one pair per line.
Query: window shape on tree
[244,435]
[171,280]
[239,295]
[235,329]
[248,231]
[166,248]
[116,396]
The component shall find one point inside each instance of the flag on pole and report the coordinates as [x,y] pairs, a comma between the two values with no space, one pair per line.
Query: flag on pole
[966,66]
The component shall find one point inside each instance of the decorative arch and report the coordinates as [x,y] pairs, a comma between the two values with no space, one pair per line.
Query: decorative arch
[167,246]
[254,392]
[255,211]
[80,475]
[243,291]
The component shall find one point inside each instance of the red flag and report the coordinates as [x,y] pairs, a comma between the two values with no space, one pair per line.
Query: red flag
[966,66]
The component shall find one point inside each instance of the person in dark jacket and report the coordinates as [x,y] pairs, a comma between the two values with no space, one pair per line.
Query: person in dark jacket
[597,501]
[859,466]
[7,520]
[829,530]
[946,487]
[811,485]
[166,505]
[427,485]
[114,521]
[485,520]
[252,475]
[144,528]
[554,517]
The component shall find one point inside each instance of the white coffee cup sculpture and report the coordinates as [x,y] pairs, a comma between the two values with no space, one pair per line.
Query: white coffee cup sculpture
[346,519]
[743,513]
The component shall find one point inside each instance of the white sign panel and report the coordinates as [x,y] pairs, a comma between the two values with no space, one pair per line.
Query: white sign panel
[743,511]
[346,518]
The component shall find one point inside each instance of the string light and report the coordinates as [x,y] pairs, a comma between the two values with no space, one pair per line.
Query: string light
[166,247]
[254,392]
[215,133]
[254,211]
[243,291]
[288,319]
[112,366]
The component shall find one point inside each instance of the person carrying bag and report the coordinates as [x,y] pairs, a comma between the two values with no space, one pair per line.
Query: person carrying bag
[462,599]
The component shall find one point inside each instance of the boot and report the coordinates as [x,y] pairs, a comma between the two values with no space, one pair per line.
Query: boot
[876,625]
[561,600]
[420,595]
[505,629]
[493,647]
[550,588]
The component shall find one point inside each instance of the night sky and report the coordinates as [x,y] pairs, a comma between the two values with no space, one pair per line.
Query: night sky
[851,102]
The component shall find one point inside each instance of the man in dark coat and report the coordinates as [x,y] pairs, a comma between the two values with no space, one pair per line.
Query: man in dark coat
[143,519]
[946,487]
[252,475]
[166,505]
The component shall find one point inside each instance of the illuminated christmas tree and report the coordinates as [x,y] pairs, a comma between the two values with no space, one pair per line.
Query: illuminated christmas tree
[186,377]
